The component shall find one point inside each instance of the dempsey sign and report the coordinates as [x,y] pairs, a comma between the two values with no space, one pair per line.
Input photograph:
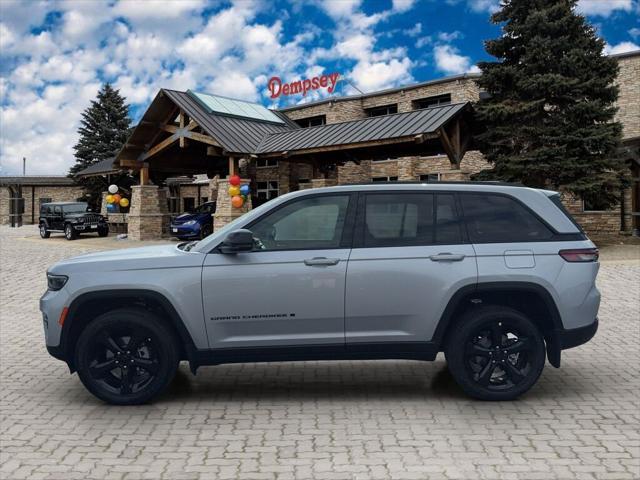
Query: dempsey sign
[277,88]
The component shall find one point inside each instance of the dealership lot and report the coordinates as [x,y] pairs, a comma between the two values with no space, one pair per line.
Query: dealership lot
[351,420]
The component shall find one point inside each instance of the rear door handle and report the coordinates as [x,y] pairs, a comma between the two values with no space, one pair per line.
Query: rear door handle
[321,261]
[447,257]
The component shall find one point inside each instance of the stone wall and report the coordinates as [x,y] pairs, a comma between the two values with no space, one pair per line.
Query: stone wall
[629,95]
[55,193]
[148,216]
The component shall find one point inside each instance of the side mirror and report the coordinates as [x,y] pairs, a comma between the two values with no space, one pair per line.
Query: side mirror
[237,241]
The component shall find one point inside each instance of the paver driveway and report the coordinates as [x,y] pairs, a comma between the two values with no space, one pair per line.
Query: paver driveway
[351,420]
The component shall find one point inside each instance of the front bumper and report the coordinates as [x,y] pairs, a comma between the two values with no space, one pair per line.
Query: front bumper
[184,232]
[89,227]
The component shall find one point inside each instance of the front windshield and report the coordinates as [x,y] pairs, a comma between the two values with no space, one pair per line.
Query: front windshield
[75,208]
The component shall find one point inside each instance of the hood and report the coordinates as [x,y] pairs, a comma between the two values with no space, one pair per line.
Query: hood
[185,217]
[127,259]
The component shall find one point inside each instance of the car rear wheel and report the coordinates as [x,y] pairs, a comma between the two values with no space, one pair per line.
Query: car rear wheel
[44,233]
[205,231]
[495,353]
[126,356]
[69,232]
[103,232]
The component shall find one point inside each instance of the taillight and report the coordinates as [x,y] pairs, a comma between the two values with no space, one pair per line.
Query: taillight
[580,255]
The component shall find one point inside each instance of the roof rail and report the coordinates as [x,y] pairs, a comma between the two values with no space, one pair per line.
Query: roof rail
[441,182]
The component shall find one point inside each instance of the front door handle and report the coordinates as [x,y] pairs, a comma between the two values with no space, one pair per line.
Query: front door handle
[321,261]
[447,257]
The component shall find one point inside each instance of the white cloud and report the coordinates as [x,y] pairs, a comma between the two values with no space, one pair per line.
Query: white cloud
[449,36]
[449,60]
[424,41]
[634,32]
[622,47]
[403,5]
[337,9]
[414,31]
[603,8]
[479,6]
[374,76]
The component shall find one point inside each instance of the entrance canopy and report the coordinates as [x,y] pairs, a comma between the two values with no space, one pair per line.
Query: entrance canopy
[192,132]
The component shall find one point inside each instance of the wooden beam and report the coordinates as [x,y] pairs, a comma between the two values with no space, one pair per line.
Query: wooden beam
[129,163]
[169,128]
[182,119]
[192,125]
[159,147]
[144,174]
[232,166]
[199,137]
[449,148]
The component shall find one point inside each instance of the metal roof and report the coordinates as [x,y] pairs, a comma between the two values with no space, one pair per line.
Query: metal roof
[47,180]
[398,125]
[235,134]
[103,167]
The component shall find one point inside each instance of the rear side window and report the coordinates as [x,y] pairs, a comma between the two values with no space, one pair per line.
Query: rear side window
[500,219]
[557,201]
[409,219]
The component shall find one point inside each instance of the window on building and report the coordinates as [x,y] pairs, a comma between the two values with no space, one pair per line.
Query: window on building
[430,177]
[303,181]
[267,190]
[189,204]
[384,179]
[382,110]
[500,219]
[593,203]
[434,101]
[312,121]
[310,223]
[266,162]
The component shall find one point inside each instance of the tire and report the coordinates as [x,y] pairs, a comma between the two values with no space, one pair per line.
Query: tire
[44,233]
[105,356]
[69,232]
[205,231]
[103,232]
[495,353]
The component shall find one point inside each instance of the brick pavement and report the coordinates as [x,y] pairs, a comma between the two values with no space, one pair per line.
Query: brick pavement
[334,420]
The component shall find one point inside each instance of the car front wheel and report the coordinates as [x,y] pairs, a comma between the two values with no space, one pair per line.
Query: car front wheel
[69,232]
[495,353]
[44,233]
[126,356]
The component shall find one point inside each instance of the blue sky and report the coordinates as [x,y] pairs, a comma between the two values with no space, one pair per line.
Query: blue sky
[55,54]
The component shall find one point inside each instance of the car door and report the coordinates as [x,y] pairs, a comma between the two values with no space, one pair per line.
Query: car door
[409,257]
[289,291]
[57,222]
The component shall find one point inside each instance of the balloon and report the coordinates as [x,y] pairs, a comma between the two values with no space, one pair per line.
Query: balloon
[109,198]
[234,180]
[113,189]
[124,202]
[233,191]
[111,207]
[244,190]
[116,198]
[237,201]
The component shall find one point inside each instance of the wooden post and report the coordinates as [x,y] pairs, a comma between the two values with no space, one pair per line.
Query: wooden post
[144,174]
[183,122]
[233,166]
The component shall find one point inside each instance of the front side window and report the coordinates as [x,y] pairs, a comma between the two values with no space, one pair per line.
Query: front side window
[310,224]
[75,208]
[500,219]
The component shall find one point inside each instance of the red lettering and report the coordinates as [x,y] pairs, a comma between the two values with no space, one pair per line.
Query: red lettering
[285,89]
[323,81]
[275,82]
[315,83]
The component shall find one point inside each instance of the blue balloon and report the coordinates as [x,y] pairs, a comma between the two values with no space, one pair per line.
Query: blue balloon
[244,190]
[111,207]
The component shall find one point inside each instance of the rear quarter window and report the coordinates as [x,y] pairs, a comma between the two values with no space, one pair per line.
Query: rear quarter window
[494,218]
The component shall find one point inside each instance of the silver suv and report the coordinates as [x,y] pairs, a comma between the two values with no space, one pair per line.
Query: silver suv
[497,277]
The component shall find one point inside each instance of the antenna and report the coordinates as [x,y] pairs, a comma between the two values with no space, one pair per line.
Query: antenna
[24,166]
[342,79]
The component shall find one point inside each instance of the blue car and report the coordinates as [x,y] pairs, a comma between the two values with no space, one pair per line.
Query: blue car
[196,224]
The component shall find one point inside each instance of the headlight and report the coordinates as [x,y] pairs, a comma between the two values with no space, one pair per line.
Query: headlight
[56,282]
[190,222]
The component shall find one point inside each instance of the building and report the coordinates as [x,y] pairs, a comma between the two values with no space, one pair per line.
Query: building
[21,196]
[416,132]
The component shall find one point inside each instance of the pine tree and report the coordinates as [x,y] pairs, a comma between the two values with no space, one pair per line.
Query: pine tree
[548,121]
[104,129]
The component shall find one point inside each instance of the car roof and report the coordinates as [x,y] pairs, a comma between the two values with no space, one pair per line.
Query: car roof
[63,203]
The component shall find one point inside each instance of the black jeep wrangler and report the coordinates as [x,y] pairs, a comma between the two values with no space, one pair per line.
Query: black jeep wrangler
[71,218]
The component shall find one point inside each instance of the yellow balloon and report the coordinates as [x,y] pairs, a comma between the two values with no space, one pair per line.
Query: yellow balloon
[109,199]
[124,202]
[234,190]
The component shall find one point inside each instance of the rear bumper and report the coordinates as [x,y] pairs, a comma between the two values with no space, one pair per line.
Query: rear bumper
[576,336]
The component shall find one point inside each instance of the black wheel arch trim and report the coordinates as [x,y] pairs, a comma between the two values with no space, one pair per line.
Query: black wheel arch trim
[552,336]
[64,350]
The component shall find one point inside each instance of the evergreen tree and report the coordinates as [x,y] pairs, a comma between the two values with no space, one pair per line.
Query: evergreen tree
[104,129]
[548,121]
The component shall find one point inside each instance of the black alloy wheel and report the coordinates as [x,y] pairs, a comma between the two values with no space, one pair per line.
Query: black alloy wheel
[496,353]
[126,356]
[44,233]
[69,232]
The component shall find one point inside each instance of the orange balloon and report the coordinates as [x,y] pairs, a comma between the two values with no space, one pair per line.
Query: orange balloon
[117,198]
[237,201]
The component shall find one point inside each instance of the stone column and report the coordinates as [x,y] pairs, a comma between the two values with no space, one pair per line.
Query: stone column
[406,169]
[225,212]
[148,216]
[103,205]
